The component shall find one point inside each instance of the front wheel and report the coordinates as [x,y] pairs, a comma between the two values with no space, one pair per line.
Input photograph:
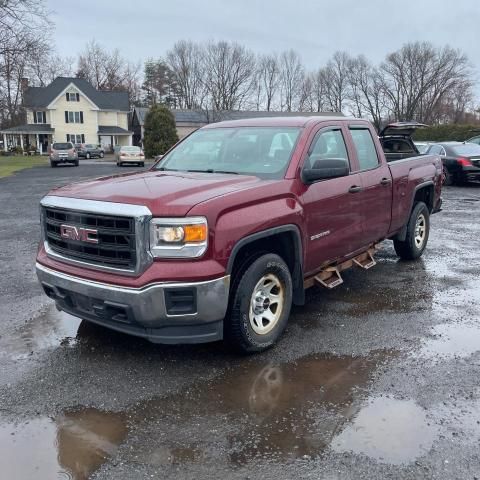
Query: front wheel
[53,164]
[418,230]
[87,156]
[260,305]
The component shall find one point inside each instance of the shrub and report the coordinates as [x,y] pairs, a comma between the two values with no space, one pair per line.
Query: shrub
[445,133]
[160,131]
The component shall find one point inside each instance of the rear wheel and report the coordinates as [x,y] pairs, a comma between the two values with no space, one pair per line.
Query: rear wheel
[101,154]
[53,164]
[76,163]
[259,305]
[142,164]
[416,239]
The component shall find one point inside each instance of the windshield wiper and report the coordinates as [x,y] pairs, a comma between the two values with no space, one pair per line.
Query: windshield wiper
[211,170]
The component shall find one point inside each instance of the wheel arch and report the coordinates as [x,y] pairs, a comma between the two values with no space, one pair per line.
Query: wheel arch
[287,244]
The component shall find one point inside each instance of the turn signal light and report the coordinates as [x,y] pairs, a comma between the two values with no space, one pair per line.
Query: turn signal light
[195,233]
[464,162]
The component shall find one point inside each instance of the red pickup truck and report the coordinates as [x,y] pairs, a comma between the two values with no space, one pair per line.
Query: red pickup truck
[229,228]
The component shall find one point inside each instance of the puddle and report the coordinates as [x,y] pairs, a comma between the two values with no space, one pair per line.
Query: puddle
[49,329]
[253,412]
[388,430]
[451,340]
[70,446]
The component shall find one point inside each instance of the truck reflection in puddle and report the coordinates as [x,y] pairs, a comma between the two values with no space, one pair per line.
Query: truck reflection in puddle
[72,445]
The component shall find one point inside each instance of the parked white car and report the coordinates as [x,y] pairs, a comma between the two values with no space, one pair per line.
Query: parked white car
[129,154]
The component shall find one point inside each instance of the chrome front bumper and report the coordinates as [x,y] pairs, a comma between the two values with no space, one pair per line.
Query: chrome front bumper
[166,312]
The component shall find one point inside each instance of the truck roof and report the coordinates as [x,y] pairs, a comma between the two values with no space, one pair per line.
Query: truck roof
[280,121]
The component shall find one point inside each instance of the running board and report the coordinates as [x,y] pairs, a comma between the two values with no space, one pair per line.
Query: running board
[330,276]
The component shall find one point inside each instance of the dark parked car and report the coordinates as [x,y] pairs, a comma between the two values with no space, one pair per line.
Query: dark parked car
[461,161]
[90,151]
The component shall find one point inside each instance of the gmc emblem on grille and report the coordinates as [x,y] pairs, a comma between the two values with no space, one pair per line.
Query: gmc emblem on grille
[78,233]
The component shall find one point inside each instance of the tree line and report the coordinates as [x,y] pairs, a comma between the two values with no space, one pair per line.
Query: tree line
[419,81]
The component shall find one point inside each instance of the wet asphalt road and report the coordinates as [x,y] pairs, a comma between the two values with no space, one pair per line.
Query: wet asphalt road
[378,378]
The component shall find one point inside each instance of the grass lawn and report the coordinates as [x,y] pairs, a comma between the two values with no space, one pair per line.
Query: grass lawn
[9,165]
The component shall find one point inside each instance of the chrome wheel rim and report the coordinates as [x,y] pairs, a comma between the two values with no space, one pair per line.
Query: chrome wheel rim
[266,304]
[420,230]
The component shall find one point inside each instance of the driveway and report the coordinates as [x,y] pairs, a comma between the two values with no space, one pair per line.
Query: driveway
[375,379]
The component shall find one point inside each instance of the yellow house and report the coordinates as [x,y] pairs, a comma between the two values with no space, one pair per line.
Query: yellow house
[72,110]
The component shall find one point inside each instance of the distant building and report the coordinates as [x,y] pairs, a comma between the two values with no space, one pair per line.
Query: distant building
[70,110]
[189,120]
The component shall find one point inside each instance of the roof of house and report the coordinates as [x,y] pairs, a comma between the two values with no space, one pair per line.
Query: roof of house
[41,97]
[112,130]
[203,116]
[32,128]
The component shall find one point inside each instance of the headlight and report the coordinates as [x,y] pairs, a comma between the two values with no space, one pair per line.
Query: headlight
[178,237]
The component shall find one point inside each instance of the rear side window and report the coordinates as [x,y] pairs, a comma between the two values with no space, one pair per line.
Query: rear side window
[327,145]
[366,151]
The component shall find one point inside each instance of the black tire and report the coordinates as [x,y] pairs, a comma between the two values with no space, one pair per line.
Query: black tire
[77,163]
[238,328]
[447,178]
[119,164]
[142,164]
[53,164]
[410,249]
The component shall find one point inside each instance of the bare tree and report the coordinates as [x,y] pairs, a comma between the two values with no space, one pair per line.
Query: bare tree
[185,61]
[228,79]
[418,77]
[23,37]
[268,71]
[108,70]
[367,93]
[336,81]
[291,78]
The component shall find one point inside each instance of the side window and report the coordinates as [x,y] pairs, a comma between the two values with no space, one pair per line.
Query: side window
[437,150]
[366,152]
[327,145]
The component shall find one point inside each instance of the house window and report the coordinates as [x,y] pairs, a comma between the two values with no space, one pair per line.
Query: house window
[73,117]
[39,117]
[73,97]
[75,138]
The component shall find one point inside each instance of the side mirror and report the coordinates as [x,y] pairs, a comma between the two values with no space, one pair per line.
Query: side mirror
[326,168]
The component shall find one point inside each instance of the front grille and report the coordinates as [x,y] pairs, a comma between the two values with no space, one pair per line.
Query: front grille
[116,247]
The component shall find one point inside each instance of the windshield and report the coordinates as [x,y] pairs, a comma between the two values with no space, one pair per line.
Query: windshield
[130,149]
[62,146]
[261,151]
[467,149]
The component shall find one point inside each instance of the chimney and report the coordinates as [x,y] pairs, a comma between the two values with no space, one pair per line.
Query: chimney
[23,86]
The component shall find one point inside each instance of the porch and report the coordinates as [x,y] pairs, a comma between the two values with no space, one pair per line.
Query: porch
[111,136]
[29,138]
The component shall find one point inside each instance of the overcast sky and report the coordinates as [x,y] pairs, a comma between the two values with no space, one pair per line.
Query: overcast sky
[315,28]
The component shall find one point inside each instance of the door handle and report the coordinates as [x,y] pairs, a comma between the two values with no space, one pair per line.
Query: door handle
[385,181]
[355,189]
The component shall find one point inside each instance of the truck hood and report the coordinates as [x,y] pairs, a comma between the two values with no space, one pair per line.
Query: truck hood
[164,193]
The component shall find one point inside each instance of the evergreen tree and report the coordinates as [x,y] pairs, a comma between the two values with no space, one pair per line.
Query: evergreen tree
[160,131]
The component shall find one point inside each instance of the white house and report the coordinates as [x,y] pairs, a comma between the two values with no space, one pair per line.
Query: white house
[71,109]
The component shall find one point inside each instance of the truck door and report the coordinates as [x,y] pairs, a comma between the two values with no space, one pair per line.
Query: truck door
[334,214]
[376,179]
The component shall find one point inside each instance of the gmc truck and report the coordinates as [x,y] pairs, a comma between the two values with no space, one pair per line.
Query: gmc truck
[223,234]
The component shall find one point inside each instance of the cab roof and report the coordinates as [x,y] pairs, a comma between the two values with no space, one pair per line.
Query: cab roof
[280,121]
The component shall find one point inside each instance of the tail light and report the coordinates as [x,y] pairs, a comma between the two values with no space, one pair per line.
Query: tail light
[464,162]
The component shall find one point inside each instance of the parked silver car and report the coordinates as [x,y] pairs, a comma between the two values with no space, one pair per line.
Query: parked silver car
[129,154]
[63,152]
